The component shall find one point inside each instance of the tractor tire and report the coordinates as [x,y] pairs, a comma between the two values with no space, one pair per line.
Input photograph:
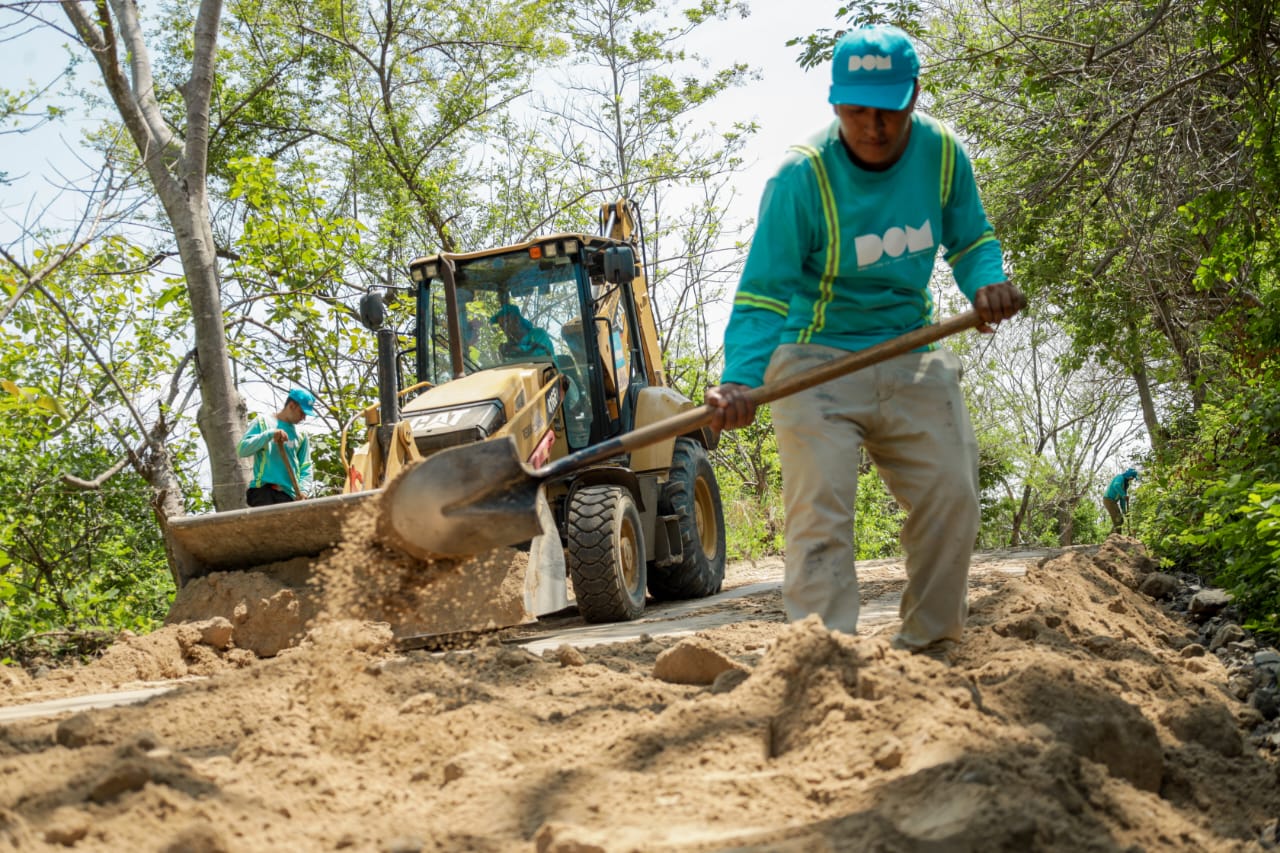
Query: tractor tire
[605,554]
[693,495]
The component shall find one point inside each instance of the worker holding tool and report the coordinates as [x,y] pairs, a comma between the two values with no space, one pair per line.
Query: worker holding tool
[281,456]
[1116,498]
[844,249]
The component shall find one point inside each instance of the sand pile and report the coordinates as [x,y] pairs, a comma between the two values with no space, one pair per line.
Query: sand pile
[274,608]
[1072,718]
[227,619]
[193,649]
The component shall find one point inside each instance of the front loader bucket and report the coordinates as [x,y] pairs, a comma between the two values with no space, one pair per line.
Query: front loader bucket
[283,547]
[242,539]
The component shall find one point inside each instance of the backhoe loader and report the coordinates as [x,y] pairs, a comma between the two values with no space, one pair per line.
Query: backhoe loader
[550,344]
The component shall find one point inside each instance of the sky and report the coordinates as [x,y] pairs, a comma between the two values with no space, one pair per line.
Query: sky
[787,102]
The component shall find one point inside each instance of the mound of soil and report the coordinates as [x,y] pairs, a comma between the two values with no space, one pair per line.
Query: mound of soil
[272,608]
[1077,715]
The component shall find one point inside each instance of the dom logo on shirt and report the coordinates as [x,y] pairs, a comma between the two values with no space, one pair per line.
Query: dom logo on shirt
[894,242]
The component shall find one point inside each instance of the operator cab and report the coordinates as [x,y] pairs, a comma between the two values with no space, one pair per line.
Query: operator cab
[524,306]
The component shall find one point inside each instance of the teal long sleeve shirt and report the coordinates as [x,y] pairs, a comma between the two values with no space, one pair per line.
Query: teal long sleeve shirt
[268,467]
[1118,490]
[843,256]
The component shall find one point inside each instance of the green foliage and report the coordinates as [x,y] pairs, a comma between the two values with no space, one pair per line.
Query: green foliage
[1091,158]
[746,464]
[816,47]
[76,558]
[877,519]
[73,560]
[286,231]
[1239,530]
[19,400]
[1090,522]
[1209,500]
[753,523]
[754,520]
[628,127]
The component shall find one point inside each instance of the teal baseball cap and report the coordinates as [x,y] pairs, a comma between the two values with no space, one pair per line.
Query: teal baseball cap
[874,67]
[305,400]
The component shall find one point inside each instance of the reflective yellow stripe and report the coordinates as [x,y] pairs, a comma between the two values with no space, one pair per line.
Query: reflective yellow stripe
[956,256]
[832,265]
[755,300]
[946,186]
[948,166]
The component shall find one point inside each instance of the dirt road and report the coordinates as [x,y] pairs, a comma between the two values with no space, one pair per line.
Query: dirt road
[1077,715]
[752,593]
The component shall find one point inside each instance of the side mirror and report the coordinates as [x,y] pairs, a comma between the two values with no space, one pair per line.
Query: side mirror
[619,265]
[373,311]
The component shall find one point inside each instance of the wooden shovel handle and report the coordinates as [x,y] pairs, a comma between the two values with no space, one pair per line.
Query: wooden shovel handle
[701,416]
[288,466]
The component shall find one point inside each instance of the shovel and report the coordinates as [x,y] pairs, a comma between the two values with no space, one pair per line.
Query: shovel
[472,498]
[293,478]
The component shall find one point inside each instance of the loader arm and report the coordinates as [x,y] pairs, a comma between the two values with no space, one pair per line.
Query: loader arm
[618,221]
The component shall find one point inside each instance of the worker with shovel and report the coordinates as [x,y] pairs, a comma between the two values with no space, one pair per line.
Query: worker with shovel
[1116,498]
[281,455]
[841,261]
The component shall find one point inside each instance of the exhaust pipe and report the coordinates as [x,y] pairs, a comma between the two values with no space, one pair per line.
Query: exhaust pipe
[388,398]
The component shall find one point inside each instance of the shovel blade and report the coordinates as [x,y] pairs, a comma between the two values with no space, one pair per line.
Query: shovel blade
[460,501]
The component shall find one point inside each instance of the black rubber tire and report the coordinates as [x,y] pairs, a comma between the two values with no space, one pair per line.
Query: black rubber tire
[693,494]
[605,554]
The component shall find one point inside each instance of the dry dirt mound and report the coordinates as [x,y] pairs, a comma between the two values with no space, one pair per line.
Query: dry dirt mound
[201,648]
[271,609]
[1072,718]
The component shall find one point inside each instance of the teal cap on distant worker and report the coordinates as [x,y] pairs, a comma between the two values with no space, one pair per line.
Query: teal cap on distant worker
[305,400]
[874,67]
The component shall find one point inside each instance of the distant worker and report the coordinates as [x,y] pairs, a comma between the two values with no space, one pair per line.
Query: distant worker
[842,259]
[281,456]
[524,340]
[1116,498]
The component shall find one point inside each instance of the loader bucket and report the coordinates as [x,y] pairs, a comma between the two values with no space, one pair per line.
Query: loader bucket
[241,539]
[419,599]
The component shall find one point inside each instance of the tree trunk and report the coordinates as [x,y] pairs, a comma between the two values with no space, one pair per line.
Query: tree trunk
[1015,534]
[166,497]
[177,171]
[222,415]
[1066,525]
[1149,417]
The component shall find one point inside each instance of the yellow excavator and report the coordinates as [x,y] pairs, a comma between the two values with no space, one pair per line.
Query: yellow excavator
[549,345]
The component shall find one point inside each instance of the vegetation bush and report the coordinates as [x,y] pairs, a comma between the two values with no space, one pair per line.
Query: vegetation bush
[1213,504]
[76,566]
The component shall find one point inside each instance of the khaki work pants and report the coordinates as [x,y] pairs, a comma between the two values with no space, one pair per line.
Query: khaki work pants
[910,415]
[1117,514]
